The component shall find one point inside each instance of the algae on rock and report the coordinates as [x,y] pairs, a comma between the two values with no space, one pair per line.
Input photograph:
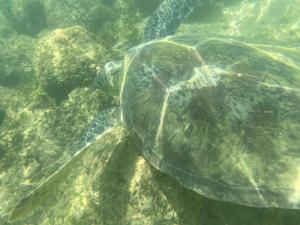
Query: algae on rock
[119,187]
[67,59]
[25,16]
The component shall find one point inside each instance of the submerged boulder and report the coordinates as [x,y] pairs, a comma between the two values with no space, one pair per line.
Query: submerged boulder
[25,16]
[66,59]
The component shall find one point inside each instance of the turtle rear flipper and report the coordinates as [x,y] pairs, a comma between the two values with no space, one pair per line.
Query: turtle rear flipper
[103,130]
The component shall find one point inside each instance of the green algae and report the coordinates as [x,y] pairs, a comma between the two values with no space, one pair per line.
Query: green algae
[67,59]
[37,134]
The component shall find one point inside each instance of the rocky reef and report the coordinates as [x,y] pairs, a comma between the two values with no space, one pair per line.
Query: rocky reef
[67,59]
[51,51]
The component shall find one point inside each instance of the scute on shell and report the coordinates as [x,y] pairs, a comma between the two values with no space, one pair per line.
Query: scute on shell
[220,116]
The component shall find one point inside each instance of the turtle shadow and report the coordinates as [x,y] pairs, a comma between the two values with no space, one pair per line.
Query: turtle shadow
[191,208]
[113,184]
[195,209]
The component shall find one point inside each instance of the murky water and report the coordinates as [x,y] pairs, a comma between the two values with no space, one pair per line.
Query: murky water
[52,51]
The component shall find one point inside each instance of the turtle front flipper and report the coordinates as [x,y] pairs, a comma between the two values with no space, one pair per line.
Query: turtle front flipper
[104,130]
[168,16]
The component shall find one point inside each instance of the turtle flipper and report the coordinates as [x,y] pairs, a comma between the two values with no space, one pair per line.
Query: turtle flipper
[103,129]
[168,16]
[44,190]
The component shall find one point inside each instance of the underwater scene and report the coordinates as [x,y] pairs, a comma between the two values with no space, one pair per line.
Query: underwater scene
[150,112]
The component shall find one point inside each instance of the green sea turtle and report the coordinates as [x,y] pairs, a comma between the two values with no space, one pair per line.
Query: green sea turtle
[219,115]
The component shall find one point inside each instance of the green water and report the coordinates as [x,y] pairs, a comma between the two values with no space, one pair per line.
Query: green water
[50,54]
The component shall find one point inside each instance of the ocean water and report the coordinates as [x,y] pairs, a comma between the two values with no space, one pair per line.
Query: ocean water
[52,51]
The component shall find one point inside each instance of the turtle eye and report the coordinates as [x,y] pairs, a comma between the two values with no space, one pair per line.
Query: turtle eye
[104,80]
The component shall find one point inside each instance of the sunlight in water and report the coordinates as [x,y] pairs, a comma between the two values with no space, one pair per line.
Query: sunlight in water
[295,197]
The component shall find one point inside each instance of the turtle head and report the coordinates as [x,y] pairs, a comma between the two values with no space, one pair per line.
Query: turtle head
[107,80]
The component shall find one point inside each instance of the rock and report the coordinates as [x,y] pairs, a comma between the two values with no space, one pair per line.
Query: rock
[90,14]
[2,116]
[67,59]
[16,61]
[25,16]
[5,30]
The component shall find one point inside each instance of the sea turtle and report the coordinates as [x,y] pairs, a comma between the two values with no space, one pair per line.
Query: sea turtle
[219,115]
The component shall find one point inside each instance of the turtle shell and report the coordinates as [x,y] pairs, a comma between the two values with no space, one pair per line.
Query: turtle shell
[220,116]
